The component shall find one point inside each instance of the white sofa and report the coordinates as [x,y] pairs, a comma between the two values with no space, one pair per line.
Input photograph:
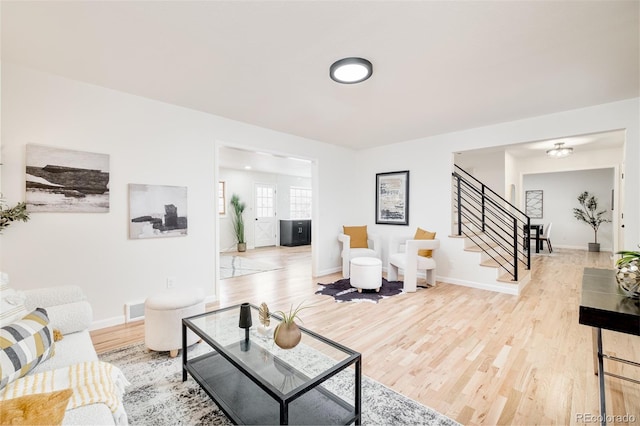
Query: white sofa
[69,312]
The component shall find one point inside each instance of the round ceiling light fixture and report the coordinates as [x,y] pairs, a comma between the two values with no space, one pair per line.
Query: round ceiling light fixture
[559,150]
[350,70]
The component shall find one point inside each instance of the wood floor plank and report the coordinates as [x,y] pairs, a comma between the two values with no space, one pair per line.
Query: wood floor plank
[476,356]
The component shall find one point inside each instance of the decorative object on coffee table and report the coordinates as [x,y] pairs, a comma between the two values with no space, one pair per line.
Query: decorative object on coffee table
[628,273]
[246,323]
[287,334]
[265,320]
[589,214]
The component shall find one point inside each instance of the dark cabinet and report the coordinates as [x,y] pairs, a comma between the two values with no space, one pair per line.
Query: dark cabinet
[295,232]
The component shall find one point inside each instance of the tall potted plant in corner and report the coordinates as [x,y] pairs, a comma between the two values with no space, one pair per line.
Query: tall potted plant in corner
[238,221]
[589,214]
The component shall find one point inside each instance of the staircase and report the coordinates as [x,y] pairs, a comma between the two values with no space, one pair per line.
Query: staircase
[495,230]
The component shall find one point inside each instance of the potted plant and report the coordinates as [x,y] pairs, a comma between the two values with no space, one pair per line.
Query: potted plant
[287,334]
[589,214]
[238,221]
[628,273]
[8,215]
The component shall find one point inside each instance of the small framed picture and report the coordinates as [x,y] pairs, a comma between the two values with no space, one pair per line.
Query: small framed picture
[392,198]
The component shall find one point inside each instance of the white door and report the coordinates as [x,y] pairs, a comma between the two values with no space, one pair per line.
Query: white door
[265,221]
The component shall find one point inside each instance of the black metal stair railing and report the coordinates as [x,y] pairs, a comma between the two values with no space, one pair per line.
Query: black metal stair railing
[498,227]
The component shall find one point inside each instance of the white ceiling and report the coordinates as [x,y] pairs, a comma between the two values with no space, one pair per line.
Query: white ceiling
[240,159]
[439,66]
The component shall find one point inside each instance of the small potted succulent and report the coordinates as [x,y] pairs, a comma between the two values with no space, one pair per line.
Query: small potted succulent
[628,273]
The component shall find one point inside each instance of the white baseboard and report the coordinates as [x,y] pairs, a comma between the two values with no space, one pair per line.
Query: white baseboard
[120,319]
[108,322]
[328,271]
[496,288]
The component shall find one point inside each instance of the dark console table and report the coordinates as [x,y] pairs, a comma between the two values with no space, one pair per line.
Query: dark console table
[295,232]
[603,306]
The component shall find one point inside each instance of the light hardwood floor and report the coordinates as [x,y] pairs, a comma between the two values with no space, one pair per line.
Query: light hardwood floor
[475,356]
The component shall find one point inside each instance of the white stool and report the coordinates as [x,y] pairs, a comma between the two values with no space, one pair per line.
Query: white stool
[366,273]
[163,315]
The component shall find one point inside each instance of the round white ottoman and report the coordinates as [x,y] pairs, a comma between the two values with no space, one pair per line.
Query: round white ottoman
[366,273]
[163,315]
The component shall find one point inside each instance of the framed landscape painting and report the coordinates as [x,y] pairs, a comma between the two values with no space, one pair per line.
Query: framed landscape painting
[157,211]
[392,198]
[64,180]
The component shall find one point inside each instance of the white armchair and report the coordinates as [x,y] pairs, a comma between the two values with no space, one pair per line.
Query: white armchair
[403,254]
[347,253]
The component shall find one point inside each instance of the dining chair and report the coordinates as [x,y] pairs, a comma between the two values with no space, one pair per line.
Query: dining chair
[546,236]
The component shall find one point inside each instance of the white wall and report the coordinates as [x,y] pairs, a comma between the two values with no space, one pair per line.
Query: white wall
[155,143]
[487,167]
[560,193]
[149,142]
[430,163]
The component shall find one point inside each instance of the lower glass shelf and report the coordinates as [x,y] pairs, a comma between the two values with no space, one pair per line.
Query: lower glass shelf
[245,402]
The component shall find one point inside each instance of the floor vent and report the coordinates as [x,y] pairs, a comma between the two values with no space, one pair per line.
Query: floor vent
[133,311]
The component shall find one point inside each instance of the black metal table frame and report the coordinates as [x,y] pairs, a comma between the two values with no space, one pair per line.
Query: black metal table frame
[599,357]
[354,358]
[538,228]
[600,308]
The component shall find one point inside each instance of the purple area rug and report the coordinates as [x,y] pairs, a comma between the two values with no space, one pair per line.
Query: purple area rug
[342,291]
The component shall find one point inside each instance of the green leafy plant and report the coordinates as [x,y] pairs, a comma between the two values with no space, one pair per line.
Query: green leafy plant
[291,316]
[628,257]
[589,214]
[8,215]
[237,219]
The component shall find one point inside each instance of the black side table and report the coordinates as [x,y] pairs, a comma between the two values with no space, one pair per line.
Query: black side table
[603,306]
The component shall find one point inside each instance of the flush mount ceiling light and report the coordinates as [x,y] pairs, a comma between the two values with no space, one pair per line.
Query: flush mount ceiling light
[351,70]
[559,150]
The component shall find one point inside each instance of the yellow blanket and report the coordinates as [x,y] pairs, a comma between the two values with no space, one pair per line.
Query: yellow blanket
[92,382]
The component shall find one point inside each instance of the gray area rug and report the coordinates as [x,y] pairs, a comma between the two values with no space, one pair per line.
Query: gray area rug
[235,266]
[158,396]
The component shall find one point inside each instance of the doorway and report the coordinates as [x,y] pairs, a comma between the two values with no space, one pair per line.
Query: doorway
[263,180]
[265,221]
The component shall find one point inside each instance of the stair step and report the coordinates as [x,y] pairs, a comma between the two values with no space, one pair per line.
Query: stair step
[477,248]
[490,263]
[506,278]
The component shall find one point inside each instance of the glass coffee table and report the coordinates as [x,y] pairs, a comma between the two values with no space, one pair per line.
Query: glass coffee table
[255,382]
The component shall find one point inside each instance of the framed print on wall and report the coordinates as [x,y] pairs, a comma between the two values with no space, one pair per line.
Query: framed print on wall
[392,198]
[65,180]
[533,203]
[157,211]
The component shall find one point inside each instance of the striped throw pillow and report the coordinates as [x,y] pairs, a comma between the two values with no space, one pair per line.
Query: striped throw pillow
[25,343]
